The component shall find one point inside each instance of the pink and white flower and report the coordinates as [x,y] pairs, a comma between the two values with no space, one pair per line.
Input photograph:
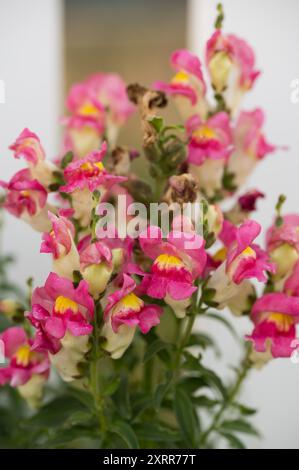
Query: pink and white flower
[283,245]
[104,257]
[250,145]
[243,260]
[231,64]
[28,146]
[111,91]
[188,85]
[26,198]
[125,311]
[25,369]
[60,243]
[99,106]
[209,148]
[275,317]
[62,316]
[96,264]
[177,262]
[86,125]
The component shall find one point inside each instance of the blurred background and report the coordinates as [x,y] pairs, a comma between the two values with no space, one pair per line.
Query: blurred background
[47,45]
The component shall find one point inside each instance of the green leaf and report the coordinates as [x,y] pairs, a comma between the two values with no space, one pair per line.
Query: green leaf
[56,412]
[67,159]
[191,384]
[83,418]
[121,399]
[154,348]
[212,380]
[228,181]
[158,123]
[239,426]
[208,295]
[204,341]
[191,362]
[126,433]
[155,432]
[186,417]
[234,442]
[84,397]
[204,401]
[112,387]
[176,127]
[74,438]
[245,410]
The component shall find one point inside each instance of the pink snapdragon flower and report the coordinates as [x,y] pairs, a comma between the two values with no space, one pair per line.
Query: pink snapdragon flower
[231,64]
[177,262]
[247,201]
[124,312]
[26,198]
[111,91]
[83,103]
[59,242]
[26,369]
[83,177]
[245,205]
[275,316]
[86,125]
[62,316]
[242,260]
[100,259]
[28,146]
[283,245]
[250,145]
[209,148]
[188,85]
[90,173]
[96,261]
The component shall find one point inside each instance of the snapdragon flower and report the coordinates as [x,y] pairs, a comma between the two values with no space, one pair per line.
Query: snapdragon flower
[26,370]
[62,316]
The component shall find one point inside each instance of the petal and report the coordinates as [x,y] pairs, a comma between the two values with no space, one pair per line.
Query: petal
[13,338]
[149,317]
[55,327]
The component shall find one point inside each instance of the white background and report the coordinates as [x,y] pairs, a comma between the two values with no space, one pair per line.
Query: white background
[31,66]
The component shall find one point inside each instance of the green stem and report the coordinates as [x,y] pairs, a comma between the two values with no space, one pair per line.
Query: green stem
[246,364]
[182,344]
[187,331]
[193,310]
